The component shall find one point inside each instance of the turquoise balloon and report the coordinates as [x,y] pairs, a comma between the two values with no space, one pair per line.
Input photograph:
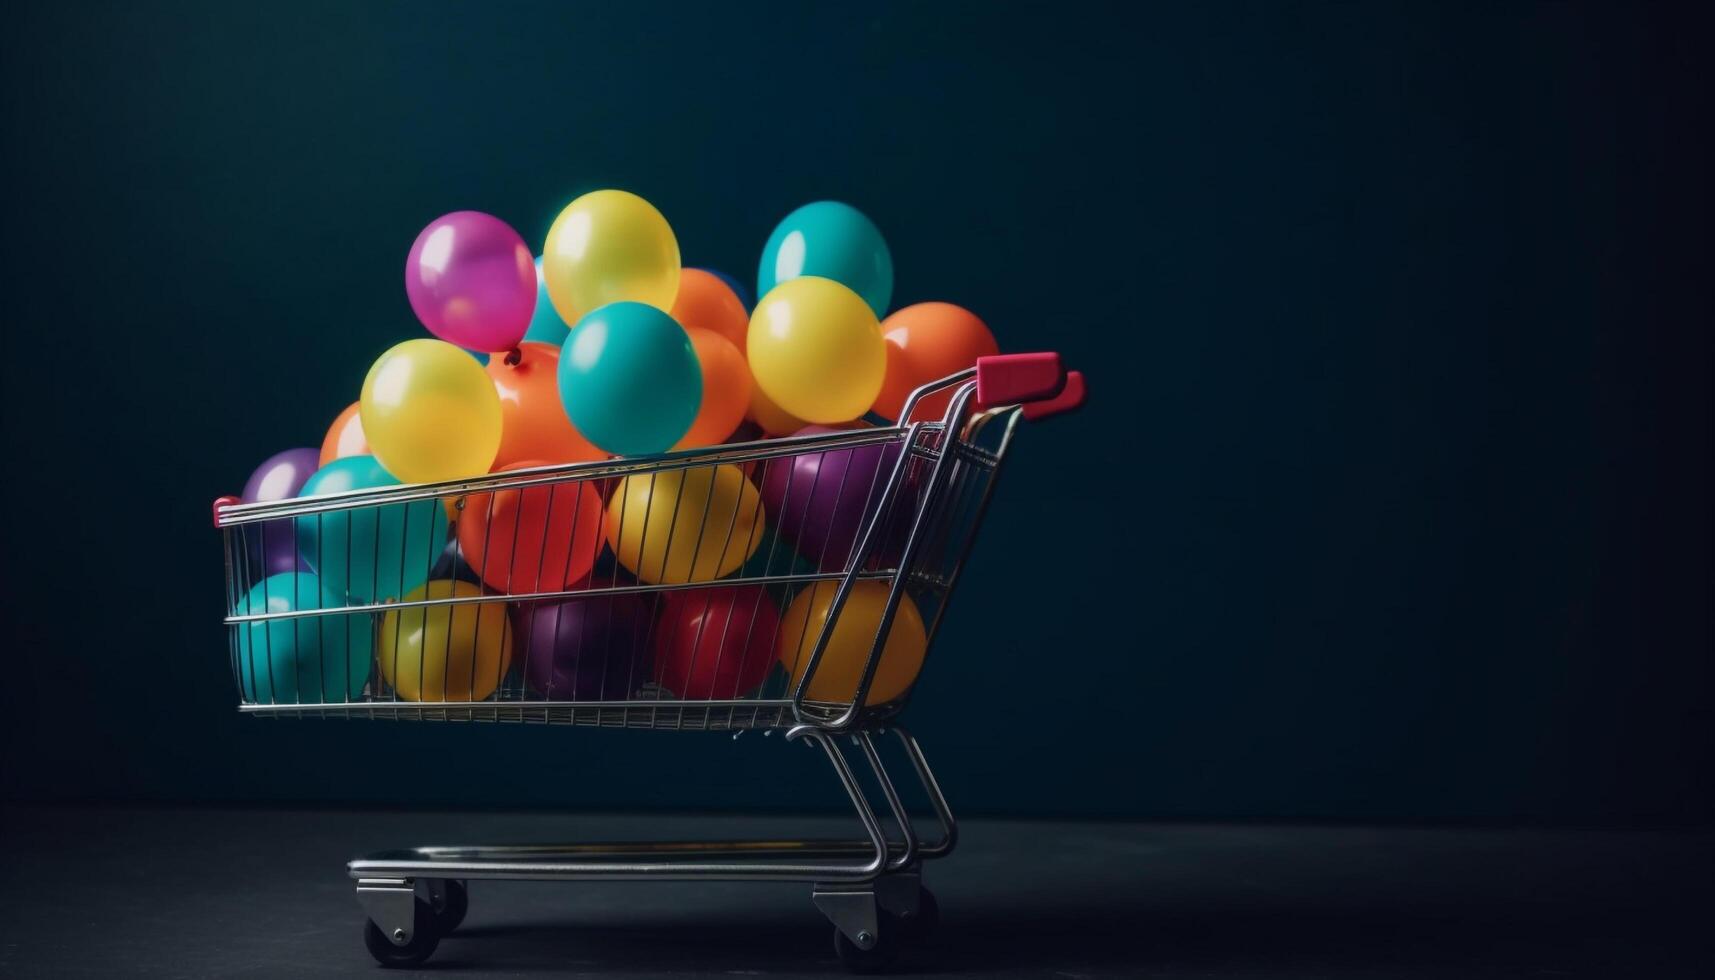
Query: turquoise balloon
[312,660]
[832,240]
[629,379]
[546,327]
[369,553]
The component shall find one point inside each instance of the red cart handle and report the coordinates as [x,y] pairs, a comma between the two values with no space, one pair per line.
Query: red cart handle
[220,502]
[1039,382]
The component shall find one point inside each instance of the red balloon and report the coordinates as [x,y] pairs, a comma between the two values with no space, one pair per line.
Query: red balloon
[716,643]
[535,539]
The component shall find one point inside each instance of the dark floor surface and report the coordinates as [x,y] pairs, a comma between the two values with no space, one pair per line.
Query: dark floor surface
[206,893]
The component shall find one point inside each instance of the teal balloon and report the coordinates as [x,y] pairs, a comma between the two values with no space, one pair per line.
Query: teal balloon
[832,240]
[309,660]
[629,379]
[546,327]
[369,553]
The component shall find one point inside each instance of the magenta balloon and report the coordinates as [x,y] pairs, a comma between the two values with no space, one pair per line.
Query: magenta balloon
[472,281]
[594,649]
[271,546]
[820,499]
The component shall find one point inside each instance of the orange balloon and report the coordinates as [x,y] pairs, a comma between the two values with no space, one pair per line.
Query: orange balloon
[706,303]
[726,389]
[345,436]
[533,425]
[769,417]
[925,343]
[533,539]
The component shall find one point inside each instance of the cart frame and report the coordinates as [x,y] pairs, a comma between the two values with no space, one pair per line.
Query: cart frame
[869,887]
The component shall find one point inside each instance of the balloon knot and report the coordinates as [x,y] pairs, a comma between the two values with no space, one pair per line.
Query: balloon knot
[514,356]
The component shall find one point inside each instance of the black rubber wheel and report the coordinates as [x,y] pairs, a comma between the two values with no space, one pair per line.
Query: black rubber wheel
[425,935]
[920,925]
[450,911]
[877,958]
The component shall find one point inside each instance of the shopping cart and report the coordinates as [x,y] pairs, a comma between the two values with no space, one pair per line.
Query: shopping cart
[881,520]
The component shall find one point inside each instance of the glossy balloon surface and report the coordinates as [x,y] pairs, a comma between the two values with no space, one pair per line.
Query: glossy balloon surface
[629,379]
[726,390]
[841,667]
[542,538]
[345,436]
[927,342]
[689,525]
[716,643]
[816,350]
[270,545]
[471,281]
[314,660]
[834,241]
[608,247]
[369,552]
[706,302]
[430,413]
[593,648]
[533,423]
[445,653]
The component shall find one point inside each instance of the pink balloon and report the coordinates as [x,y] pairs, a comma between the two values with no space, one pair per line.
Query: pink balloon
[472,281]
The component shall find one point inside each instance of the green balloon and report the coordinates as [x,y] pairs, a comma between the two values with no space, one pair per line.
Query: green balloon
[310,660]
[629,379]
[369,553]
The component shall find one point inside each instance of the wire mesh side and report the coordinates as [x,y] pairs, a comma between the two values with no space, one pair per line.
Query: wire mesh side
[659,597]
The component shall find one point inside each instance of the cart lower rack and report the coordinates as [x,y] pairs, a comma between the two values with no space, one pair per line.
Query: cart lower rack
[790,584]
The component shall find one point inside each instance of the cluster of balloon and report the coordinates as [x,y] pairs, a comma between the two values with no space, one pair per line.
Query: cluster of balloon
[604,345]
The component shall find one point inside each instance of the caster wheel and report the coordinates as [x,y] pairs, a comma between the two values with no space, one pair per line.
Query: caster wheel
[424,937]
[875,959]
[920,925]
[451,909]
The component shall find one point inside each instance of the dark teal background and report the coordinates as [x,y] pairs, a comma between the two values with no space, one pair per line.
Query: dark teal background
[1391,501]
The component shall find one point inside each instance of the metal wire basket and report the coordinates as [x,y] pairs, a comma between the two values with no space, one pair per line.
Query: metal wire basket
[759,585]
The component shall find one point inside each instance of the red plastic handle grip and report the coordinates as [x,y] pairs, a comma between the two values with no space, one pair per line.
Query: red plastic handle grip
[1013,379]
[1069,398]
[220,502]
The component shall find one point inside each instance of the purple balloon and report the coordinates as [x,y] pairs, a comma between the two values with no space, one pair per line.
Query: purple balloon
[820,500]
[472,281]
[594,649]
[272,548]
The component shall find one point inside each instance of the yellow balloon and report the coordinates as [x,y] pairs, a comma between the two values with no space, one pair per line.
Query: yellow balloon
[430,412]
[816,350]
[690,525]
[445,653]
[841,667]
[608,246]
[768,416]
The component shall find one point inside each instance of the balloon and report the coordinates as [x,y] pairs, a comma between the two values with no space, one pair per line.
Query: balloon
[817,351]
[270,544]
[841,667]
[819,500]
[546,327]
[690,525]
[607,247]
[769,417]
[726,390]
[369,553]
[586,649]
[926,342]
[705,302]
[430,413]
[834,241]
[630,380]
[732,284]
[445,653]
[533,539]
[471,281]
[533,425]
[345,436]
[313,660]
[716,643]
